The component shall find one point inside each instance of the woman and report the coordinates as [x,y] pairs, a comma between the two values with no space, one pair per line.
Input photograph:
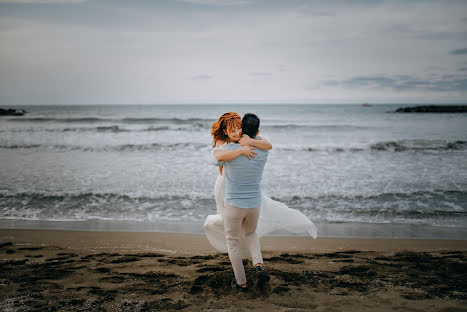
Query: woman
[275,217]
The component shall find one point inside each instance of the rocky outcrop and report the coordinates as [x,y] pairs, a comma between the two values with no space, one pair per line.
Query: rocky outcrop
[12,112]
[433,109]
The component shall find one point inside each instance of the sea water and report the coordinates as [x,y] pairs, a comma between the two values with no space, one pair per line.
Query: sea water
[353,170]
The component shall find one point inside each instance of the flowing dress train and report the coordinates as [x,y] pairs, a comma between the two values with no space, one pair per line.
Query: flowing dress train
[275,218]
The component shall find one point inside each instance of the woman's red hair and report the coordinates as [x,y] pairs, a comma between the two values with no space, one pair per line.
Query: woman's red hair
[225,122]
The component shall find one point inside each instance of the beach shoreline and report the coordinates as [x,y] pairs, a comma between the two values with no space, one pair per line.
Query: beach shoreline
[179,243]
[144,271]
[325,229]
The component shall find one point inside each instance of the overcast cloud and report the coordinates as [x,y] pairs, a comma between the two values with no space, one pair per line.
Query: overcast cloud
[207,51]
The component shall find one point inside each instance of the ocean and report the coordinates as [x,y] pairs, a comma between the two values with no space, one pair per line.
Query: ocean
[355,171]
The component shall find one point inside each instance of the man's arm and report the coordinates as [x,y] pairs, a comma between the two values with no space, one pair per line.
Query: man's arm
[261,143]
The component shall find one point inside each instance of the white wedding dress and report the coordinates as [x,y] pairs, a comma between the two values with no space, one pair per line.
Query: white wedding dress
[275,218]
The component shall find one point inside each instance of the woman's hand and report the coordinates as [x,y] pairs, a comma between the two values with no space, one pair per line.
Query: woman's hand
[245,140]
[248,151]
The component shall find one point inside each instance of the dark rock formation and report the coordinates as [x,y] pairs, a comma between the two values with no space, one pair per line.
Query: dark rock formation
[434,109]
[12,112]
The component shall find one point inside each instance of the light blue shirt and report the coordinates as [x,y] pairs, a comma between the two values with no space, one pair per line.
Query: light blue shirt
[243,178]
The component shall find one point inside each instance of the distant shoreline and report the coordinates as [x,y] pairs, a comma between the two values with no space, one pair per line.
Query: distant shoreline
[359,104]
[433,109]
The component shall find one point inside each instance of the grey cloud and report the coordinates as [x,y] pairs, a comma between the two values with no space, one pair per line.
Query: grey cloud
[323,13]
[366,81]
[425,32]
[217,2]
[331,83]
[404,83]
[308,10]
[203,77]
[446,35]
[435,68]
[42,1]
[459,51]
[446,85]
[259,74]
[318,13]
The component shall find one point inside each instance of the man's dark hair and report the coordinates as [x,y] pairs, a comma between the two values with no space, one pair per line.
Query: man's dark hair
[250,125]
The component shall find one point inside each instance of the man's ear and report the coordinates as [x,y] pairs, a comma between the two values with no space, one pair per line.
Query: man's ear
[257,132]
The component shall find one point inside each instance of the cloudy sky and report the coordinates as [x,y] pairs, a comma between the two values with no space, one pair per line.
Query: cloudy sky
[232,51]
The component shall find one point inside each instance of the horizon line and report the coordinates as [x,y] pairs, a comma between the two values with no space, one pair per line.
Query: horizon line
[240,103]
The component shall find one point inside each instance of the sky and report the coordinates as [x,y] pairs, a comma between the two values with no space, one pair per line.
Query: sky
[232,51]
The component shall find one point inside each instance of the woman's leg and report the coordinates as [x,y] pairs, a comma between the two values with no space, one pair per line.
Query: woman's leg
[233,219]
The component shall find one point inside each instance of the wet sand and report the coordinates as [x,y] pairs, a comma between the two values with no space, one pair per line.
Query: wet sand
[126,271]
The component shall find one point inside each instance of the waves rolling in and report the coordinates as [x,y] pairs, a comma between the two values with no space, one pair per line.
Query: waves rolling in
[391,147]
[339,164]
[423,207]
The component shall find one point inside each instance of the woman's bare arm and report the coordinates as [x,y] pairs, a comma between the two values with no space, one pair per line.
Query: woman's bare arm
[232,154]
[261,143]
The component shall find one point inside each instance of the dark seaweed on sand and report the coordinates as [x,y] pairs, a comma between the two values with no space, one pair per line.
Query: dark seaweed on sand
[147,282]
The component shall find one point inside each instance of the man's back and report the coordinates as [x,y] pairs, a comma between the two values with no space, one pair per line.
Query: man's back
[243,185]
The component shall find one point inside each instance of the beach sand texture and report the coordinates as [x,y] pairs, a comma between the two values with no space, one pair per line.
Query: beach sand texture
[43,270]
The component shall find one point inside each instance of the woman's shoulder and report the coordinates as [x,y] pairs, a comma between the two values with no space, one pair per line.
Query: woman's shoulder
[221,145]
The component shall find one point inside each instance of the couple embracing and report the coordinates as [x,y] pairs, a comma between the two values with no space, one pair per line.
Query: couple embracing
[243,212]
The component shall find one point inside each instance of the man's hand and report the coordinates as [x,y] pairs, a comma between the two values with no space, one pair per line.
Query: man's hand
[248,151]
[245,140]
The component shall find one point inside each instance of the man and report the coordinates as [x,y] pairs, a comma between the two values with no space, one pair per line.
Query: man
[242,204]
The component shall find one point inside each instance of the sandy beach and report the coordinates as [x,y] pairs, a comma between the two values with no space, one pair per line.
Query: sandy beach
[127,271]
